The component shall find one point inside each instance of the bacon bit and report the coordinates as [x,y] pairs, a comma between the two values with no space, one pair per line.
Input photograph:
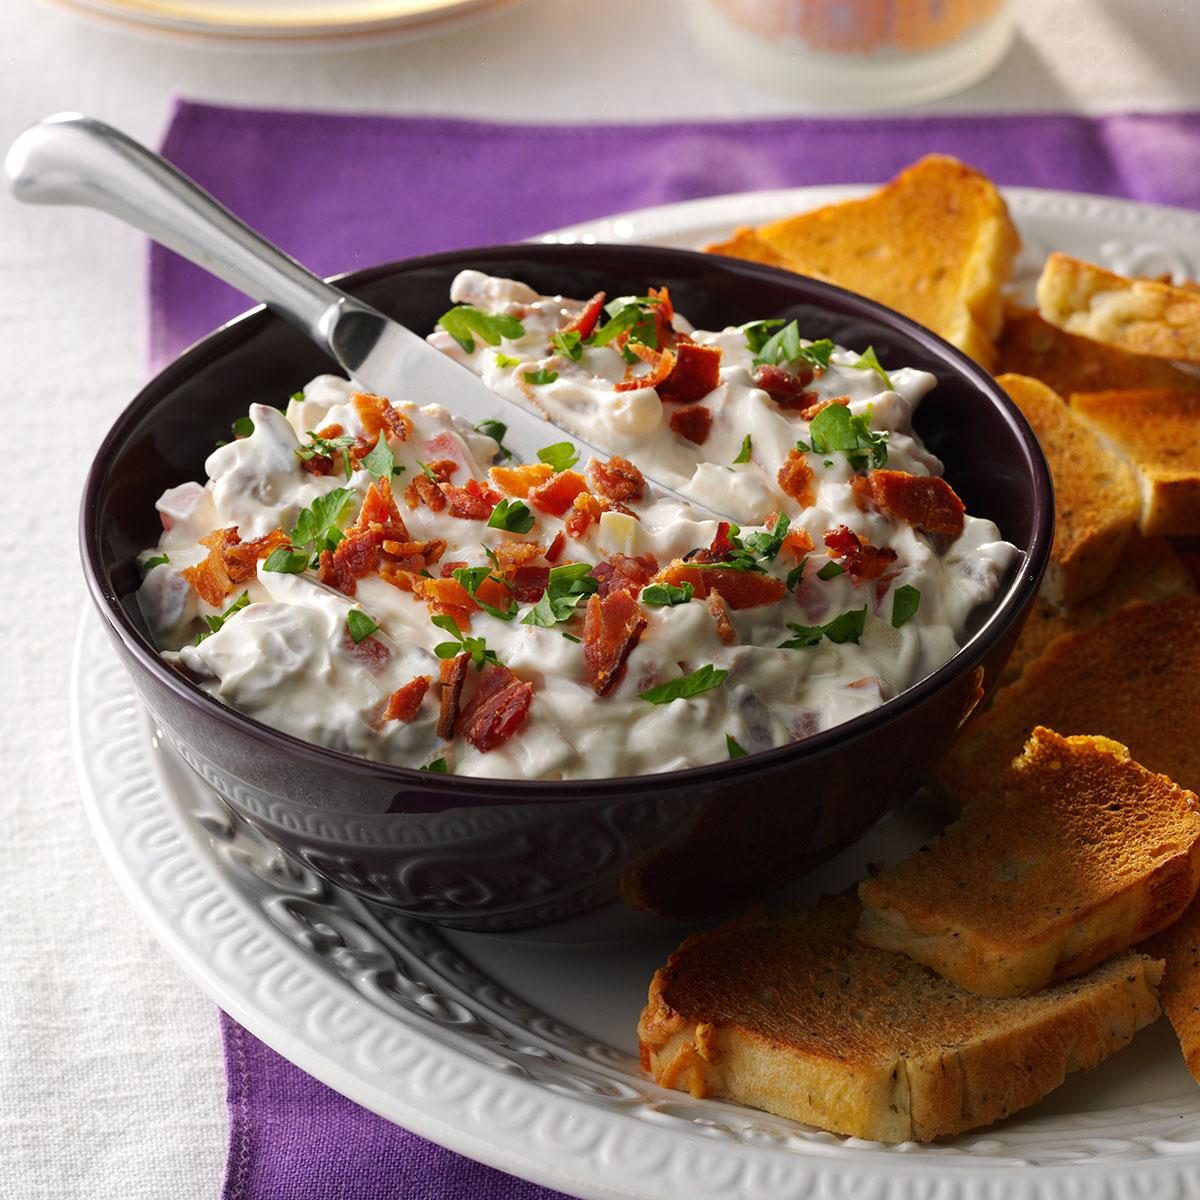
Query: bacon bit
[786,388]
[665,304]
[611,629]
[370,654]
[621,572]
[725,629]
[473,501]
[796,541]
[558,493]
[497,710]
[529,583]
[692,422]
[722,545]
[739,589]
[446,596]
[448,568]
[358,553]
[511,554]
[695,372]
[556,547]
[807,414]
[405,702]
[230,561]
[442,469]
[585,322]
[585,512]
[411,556]
[377,415]
[617,479]
[662,363]
[519,481]
[861,560]
[796,479]
[927,502]
[454,675]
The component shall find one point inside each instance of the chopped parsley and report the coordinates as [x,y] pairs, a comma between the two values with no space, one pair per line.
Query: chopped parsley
[318,527]
[379,461]
[215,623]
[633,316]
[476,647]
[831,570]
[297,396]
[703,679]
[437,767]
[667,595]
[151,563]
[905,602]
[835,429]
[565,588]
[319,447]
[796,574]
[758,333]
[513,515]
[743,455]
[540,377]
[869,361]
[569,344]
[496,430]
[283,561]
[360,625]
[735,748]
[560,455]
[472,579]
[506,360]
[243,427]
[846,628]
[766,545]
[464,321]
[786,346]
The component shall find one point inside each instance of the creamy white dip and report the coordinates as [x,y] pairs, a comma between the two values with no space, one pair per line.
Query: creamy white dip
[288,659]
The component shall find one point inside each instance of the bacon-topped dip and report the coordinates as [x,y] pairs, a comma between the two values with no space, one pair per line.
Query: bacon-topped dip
[384,580]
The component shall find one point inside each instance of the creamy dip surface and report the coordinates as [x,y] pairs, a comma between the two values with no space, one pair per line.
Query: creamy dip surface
[384,580]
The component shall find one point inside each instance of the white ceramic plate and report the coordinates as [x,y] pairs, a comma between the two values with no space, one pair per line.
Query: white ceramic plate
[287,24]
[521,1052]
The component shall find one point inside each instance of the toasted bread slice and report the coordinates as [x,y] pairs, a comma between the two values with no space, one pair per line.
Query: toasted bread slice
[1149,570]
[745,243]
[1179,946]
[1078,854]
[936,243]
[1096,503]
[1156,432]
[1141,316]
[1069,363]
[1134,677]
[798,1017]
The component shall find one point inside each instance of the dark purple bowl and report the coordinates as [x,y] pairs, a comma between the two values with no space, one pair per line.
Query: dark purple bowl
[509,854]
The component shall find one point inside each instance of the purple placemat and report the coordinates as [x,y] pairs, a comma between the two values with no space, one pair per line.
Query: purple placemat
[342,192]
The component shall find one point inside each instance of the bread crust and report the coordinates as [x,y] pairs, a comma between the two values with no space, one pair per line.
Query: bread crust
[797,1017]
[1141,316]
[1076,854]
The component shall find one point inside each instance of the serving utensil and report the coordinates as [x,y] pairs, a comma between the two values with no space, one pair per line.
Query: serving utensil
[73,159]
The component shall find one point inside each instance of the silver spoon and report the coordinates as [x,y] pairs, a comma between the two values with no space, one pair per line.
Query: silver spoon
[72,159]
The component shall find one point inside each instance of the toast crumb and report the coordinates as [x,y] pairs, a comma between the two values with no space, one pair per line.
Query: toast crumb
[797,1017]
[1078,853]
[1140,316]
[881,247]
[1096,503]
[1155,431]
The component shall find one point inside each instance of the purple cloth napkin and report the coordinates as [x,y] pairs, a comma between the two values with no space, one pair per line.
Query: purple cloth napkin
[341,192]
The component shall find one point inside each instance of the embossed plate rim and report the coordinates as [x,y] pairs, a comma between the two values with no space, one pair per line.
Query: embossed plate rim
[118,768]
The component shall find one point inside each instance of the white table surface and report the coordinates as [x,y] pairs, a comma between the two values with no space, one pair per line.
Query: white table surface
[111,1082]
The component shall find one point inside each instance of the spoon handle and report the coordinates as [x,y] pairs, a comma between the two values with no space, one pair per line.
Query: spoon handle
[72,159]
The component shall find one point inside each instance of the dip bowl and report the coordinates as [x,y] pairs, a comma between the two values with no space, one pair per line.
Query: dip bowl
[502,855]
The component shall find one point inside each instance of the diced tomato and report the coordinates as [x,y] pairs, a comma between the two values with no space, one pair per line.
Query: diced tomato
[405,702]
[721,545]
[585,322]
[558,493]
[618,479]
[611,629]
[518,481]
[555,549]
[926,502]
[692,422]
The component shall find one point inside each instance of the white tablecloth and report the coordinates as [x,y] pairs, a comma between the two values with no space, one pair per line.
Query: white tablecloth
[111,1080]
